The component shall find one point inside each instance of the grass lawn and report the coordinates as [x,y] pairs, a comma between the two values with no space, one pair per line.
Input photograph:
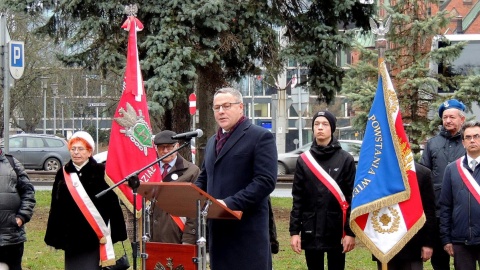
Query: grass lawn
[39,256]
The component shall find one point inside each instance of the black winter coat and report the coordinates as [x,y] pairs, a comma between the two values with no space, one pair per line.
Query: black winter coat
[67,228]
[316,214]
[17,199]
[243,175]
[440,151]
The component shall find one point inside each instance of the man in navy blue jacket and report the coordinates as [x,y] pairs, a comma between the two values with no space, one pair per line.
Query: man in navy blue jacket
[460,203]
[240,170]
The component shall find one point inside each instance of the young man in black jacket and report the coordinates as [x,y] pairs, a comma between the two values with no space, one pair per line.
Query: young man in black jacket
[322,193]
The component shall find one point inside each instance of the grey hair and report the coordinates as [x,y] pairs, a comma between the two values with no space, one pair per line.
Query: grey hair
[469,124]
[232,91]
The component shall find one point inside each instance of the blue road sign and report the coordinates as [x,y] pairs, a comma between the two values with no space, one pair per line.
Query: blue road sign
[16,58]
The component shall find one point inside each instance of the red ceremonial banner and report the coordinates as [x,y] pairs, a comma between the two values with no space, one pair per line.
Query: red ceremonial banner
[131,145]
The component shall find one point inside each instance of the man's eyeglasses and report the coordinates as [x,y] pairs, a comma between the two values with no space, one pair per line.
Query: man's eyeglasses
[475,137]
[77,149]
[225,106]
[168,147]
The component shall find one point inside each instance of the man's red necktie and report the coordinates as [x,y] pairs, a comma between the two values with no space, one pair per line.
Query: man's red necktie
[165,170]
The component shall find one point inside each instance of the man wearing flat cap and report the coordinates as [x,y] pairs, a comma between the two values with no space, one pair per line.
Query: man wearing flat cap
[322,191]
[441,150]
[166,228]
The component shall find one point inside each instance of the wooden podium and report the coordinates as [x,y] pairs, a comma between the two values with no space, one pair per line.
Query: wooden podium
[166,254]
[183,200]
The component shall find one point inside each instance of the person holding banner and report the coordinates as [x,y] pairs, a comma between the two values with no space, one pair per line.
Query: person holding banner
[239,170]
[460,203]
[420,248]
[165,227]
[84,226]
[322,193]
[440,151]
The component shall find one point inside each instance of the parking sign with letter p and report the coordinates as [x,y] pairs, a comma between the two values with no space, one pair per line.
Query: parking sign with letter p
[16,58]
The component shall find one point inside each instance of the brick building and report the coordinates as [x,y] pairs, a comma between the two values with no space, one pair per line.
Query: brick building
[465,16]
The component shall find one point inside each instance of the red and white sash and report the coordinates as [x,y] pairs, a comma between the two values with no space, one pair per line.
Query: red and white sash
[328,181]
[81,198]
[468,179]
[180,221]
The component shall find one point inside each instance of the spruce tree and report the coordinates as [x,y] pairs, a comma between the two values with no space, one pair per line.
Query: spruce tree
[315,34]
[202,44]
[185,45]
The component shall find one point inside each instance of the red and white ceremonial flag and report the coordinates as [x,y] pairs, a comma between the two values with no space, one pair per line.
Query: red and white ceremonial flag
[387,209]
[131,146]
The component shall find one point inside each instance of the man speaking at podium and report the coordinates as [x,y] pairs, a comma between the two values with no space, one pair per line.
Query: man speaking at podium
[239,170]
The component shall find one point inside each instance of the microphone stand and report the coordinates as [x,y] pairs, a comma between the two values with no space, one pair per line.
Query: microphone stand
[134,183]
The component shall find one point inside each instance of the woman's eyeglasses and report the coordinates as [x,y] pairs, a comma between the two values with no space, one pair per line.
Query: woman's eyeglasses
[77,149]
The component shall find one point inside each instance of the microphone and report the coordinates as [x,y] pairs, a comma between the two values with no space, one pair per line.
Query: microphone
[188,135]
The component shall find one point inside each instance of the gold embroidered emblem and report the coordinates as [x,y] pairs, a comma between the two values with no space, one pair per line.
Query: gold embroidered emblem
[135,127]
[387,222]
[385,219]
[406,155]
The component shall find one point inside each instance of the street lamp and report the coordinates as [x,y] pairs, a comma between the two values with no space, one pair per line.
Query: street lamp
[62,101]
[44,82]
[281,126]
[72,107]
[55,93]
[81,109]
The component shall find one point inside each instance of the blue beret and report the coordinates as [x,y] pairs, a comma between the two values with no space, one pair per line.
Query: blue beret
[450,104]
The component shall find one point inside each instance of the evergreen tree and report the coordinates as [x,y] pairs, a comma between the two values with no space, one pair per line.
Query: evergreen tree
[408,56]
[203,44]
[184,42]
[315,32]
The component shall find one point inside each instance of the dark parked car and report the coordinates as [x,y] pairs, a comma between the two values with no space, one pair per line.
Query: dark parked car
[288,161]
[39,151]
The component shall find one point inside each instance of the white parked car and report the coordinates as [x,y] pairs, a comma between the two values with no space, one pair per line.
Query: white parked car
[101,157]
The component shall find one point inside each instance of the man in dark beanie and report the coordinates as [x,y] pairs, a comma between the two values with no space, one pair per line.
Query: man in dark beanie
[332,120]
[322,190]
